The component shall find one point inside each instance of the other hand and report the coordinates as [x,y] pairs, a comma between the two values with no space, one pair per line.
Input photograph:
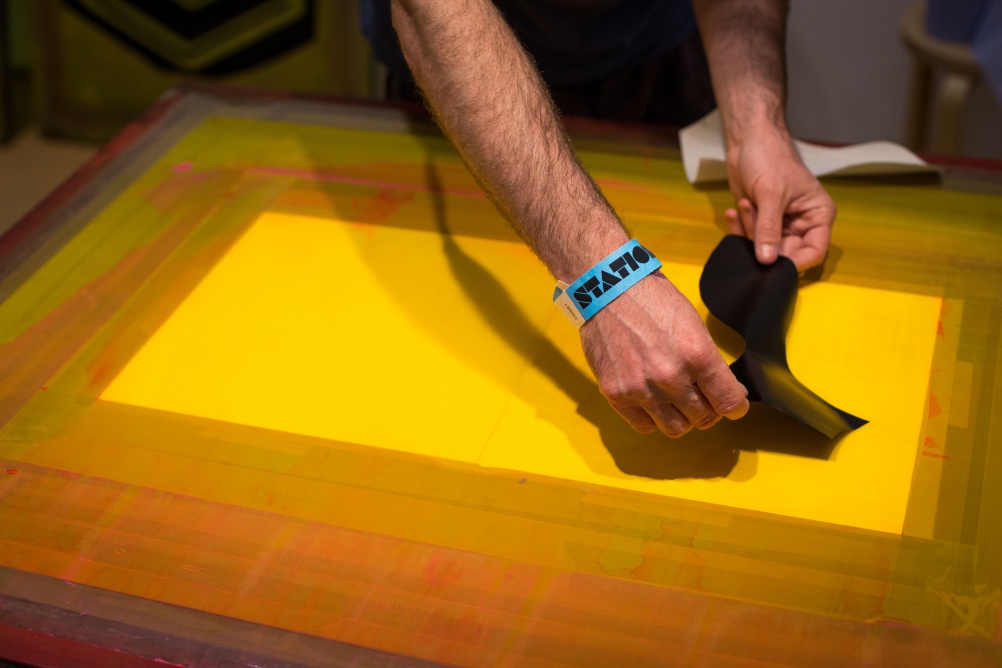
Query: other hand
[780,204]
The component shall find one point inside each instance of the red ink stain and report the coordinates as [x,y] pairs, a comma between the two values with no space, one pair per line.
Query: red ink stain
[44,388]
[930,442]
[177,188]
[939,329]
[11,471]
[622,185]
[184,167]
[382,206]
[936,455]
[314,175]
[934,408]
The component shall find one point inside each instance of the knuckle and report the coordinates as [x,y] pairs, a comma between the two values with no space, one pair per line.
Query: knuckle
[619,392]
[700,352]
[703,413]
[704,363]
[643,428]
[674,425]
[708,421]
[767,228]
[666,375]
[676,431]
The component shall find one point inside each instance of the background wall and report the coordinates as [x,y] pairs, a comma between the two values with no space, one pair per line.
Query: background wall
[849,77]
[849,71]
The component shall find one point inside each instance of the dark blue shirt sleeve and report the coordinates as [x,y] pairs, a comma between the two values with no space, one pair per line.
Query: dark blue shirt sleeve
[572,41]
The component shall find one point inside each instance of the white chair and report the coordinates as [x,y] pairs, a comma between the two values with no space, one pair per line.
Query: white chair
[960,73]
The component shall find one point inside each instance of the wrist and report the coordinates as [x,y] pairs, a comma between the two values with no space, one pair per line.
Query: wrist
[761,121]
[585,249]
[765,139]
[603,283]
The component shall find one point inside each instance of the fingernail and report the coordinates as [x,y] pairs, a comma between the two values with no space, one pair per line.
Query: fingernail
[767,252]
[744,388]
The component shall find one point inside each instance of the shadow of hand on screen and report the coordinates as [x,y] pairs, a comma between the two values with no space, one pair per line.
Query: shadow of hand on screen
[700,454]
[647,455]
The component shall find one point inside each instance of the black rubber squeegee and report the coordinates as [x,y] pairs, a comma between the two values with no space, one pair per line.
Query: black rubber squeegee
[757,302]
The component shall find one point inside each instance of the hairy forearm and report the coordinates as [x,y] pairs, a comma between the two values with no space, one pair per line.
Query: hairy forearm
[488,97]
[745,46]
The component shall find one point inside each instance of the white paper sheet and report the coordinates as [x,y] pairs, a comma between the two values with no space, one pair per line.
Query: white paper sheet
[704,154]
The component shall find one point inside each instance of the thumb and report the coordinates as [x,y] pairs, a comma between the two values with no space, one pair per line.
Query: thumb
[768,229]
[718,384]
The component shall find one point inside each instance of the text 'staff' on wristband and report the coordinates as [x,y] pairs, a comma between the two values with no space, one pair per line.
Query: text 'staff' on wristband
[601,284]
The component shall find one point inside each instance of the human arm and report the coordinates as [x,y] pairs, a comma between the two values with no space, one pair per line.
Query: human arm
[650,352]
[780,204]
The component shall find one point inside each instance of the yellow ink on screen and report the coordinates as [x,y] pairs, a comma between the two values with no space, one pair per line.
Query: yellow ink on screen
[295,330]
[444,346]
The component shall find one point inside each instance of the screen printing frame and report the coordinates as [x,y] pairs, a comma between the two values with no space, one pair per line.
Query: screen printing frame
[934,593]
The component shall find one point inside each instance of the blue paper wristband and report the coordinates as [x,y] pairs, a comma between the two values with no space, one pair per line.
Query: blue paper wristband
[601,284]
